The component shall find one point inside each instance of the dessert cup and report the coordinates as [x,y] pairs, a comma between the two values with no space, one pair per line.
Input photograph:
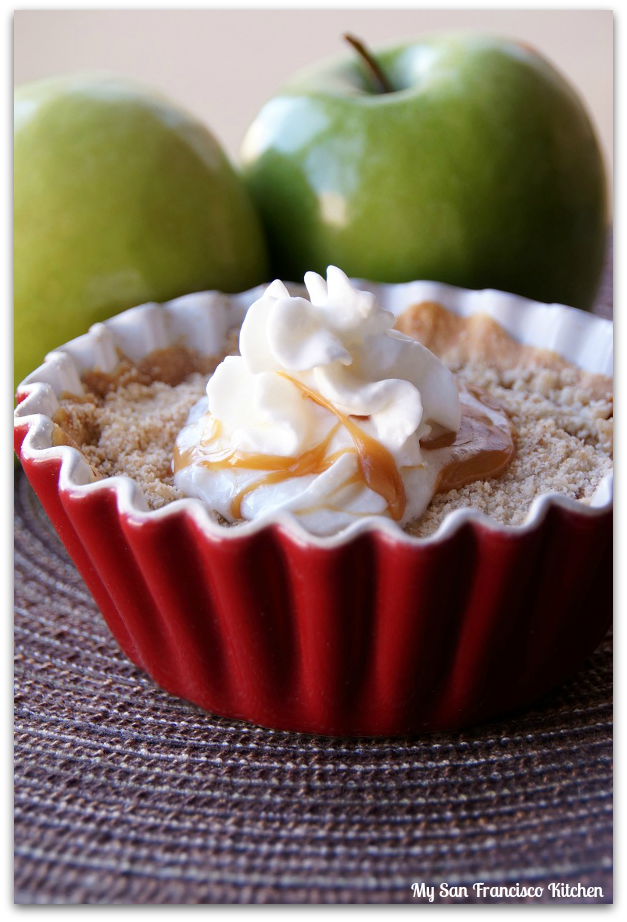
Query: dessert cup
[367,632]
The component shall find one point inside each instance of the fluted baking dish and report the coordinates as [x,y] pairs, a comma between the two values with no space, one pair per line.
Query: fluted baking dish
[369,632]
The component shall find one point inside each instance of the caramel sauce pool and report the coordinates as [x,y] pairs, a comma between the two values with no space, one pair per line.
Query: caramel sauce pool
[481,449]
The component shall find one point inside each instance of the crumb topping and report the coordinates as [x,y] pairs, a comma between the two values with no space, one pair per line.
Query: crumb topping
[562,416]
[127,422]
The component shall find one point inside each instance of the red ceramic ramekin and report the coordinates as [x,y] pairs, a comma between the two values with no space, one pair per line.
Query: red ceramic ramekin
[370,632]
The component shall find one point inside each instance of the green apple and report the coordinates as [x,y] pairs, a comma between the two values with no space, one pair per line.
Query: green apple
[479,167]
[121,197]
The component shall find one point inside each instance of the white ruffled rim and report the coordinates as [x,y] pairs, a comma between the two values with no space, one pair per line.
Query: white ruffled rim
[202,320]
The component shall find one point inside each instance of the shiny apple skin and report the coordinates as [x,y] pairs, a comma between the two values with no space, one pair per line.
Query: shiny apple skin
[120,197]
[481,169]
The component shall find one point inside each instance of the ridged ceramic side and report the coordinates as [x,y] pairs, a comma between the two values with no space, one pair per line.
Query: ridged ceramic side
[369,632]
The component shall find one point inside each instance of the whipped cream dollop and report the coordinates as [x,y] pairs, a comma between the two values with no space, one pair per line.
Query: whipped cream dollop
[321,415]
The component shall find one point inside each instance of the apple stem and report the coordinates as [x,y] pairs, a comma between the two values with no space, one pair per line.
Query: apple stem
[382,83]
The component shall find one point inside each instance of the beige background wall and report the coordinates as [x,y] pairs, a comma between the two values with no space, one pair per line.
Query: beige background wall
[223,64]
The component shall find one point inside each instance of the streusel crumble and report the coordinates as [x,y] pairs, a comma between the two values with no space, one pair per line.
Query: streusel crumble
[562,416]
[127,423]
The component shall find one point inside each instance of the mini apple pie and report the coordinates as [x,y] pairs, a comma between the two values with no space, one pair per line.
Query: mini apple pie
[345,509]
[531,423]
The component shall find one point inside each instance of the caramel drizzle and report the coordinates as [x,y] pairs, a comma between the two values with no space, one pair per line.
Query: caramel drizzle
[376,464]
[279,467]
[480,449]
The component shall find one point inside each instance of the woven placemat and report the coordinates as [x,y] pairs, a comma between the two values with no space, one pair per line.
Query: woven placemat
[126,795]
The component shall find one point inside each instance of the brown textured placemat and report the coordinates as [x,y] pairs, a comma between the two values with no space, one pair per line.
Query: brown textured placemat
[125,795]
